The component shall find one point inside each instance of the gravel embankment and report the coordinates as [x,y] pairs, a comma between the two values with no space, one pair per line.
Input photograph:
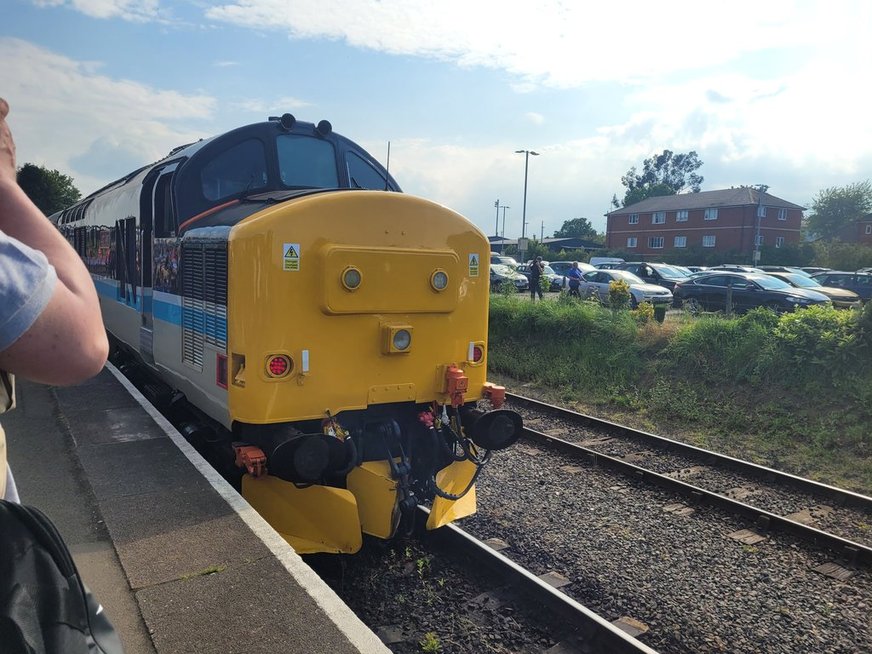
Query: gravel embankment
[850,523]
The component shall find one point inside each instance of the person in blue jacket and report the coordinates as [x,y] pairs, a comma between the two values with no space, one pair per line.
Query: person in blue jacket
[574,277]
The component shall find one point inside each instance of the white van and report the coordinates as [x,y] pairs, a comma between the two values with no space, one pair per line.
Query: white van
[605,262]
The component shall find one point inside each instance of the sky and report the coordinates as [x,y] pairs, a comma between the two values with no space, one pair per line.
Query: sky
[773,92]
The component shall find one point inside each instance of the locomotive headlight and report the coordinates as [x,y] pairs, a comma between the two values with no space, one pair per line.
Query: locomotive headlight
[397,339]
[439,280]
[402,340]
[351,278]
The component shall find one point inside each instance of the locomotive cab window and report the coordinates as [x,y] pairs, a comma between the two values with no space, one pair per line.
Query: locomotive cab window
[306,162]
[237,169]
[362,174]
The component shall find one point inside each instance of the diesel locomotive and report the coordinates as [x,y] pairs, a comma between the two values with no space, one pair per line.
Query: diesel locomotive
[329,330]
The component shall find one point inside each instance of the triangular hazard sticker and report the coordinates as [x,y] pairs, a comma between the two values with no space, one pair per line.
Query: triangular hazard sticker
[473,260]
[291,252]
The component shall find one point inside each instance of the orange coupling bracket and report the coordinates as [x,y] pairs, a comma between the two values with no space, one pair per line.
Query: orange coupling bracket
[496,394]
[456,384]
[251,458]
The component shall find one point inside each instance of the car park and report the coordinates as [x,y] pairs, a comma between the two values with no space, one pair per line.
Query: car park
[841,298]
[555,281]
[859,283]
[655,273]
[595,283]
[501,275]
[747,290]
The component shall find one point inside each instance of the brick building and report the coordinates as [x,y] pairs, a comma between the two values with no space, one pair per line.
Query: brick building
[859,231]
[725,221]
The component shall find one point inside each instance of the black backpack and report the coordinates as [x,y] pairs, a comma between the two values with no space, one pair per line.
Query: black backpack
[44,605]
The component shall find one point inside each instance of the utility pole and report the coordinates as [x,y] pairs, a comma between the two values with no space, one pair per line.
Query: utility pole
[504,207]
[497,226]
[542,232]
[760,210]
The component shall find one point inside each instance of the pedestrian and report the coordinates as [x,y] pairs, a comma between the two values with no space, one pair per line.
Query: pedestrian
[51,330]
[537,268]
[574,276]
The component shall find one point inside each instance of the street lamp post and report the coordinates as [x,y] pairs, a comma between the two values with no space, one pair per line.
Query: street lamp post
[526,154]
[497,226]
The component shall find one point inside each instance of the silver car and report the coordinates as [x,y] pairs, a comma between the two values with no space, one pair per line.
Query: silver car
[597,282]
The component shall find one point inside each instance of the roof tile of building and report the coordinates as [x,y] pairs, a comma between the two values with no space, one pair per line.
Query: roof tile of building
[731,197]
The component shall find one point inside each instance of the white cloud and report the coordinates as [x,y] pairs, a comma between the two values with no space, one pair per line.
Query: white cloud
[132,10]
[62,109]
[534,118]
[557,43]
[272,107]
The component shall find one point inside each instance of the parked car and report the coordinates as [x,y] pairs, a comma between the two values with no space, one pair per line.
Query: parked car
[605,262]
[841,298]
[596,282]
[696,269]
[859,283]
[506,261]
[735,267]
[501,274]
[655,273]
[814,270]
[785,269]
[562,267]
[749,290]
[555,281]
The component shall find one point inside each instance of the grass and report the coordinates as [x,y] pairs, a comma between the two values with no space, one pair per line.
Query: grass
[792,392]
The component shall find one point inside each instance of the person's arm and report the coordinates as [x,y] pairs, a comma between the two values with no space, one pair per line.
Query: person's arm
[66,343]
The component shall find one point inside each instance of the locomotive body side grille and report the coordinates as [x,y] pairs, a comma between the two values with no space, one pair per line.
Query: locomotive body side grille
[204,298]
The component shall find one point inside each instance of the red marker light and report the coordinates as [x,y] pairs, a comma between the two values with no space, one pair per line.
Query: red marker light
[278,366]
[477,353]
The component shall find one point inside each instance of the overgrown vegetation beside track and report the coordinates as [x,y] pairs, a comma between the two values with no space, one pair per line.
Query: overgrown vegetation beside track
[793,391]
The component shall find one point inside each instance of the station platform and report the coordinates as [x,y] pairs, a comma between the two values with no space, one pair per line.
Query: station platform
[178,559]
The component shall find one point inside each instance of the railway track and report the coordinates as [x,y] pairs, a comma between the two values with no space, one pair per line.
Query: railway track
[823,515]
[700,578]
[448,588]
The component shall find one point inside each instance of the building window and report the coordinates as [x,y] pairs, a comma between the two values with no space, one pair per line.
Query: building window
[708,241]
[681,216]
[658,218]
[631,241]
[869,229]
[761,211]
[711,214]
[634,219]
[782,214]
[681,241]
[779,241]
[655,242]
[759,239]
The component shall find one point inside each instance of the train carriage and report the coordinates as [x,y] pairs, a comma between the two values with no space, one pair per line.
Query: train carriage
[331,329]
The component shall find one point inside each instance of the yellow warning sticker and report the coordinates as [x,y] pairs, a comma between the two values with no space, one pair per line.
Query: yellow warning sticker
[291,257]
[473,265]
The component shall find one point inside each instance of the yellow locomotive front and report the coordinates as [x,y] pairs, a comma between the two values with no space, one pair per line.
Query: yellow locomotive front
[357,331]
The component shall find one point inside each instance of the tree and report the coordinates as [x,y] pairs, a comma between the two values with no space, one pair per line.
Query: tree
[837,206]
[49,190]
[663,174]
[577,228]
